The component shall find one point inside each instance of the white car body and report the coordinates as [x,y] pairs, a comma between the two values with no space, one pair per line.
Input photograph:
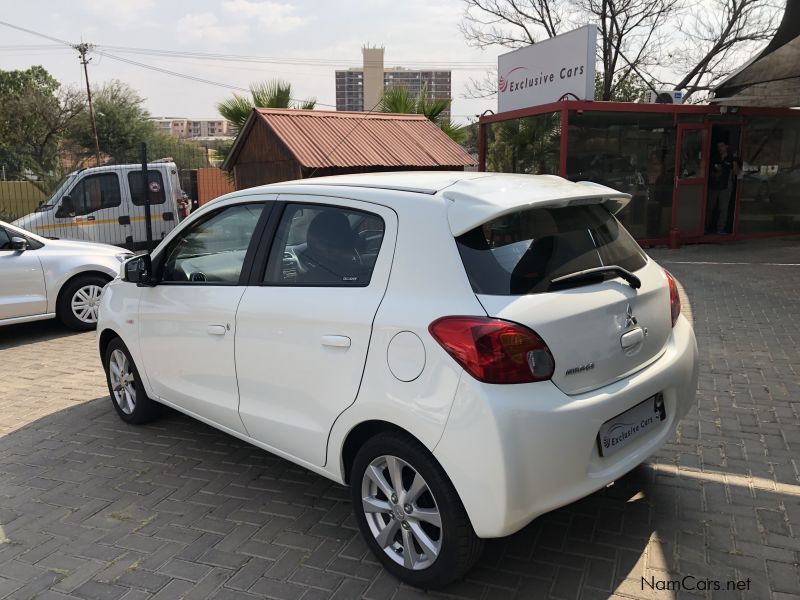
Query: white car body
[115,217]
[308,372]
[32,280]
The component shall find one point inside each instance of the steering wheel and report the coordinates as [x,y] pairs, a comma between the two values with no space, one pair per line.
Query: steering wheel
[298,259]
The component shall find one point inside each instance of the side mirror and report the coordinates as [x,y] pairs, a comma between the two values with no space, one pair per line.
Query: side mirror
[66,208]
[139,270]
[19,244]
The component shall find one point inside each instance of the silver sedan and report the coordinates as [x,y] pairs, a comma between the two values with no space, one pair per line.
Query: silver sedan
[43,279]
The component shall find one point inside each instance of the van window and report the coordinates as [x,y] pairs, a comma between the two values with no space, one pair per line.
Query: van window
[523,252]
[5,240]
[93,193]
[155,185]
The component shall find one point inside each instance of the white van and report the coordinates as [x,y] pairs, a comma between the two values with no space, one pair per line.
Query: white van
[107,204]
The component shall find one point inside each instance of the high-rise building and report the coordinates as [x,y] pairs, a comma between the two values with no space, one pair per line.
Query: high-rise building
[188,128]
[360,89]
[350,90]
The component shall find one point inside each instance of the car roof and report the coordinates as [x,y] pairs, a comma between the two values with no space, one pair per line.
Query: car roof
[474,198]
[421,182]
[127,167]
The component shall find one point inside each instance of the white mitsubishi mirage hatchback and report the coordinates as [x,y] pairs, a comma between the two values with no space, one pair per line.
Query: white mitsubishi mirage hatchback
[466,351]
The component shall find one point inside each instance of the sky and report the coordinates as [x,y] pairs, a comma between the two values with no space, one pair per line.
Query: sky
[411,31]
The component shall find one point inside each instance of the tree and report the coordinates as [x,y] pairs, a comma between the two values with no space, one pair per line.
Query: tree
[713,40]
[35,110]
[269,94]
[122,123]
[635,36]
[529,145]
[629,30]
[186,154]
[398,99]
[629,89]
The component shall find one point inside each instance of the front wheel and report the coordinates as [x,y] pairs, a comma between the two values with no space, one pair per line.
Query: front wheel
[79,301]
[410,513]
[125,386]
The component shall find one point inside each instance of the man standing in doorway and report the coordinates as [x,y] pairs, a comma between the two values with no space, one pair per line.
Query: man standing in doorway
[721,184]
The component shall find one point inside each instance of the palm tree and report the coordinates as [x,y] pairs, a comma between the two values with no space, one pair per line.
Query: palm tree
[399,100]
[268,94]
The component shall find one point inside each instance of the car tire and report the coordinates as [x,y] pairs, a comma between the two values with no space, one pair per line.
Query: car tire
[125,387]
[79,301]
[392,521]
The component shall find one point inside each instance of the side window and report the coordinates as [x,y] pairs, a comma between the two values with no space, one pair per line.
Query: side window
[155,188]
[5,240]
[324,246]
[90,194]
[213,249]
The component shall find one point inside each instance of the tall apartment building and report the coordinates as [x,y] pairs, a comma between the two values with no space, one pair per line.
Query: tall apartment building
[360,89]
[190,128]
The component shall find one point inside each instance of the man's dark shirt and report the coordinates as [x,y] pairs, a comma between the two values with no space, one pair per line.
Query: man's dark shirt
[721,170]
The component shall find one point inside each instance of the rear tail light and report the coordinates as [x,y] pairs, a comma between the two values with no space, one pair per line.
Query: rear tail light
[493,350]
[674,298]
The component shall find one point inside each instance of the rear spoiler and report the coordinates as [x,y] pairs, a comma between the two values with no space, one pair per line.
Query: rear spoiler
[471,203]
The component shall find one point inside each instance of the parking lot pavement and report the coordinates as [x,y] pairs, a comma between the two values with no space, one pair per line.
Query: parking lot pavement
[91,508]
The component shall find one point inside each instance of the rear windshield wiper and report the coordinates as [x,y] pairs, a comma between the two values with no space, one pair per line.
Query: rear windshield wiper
[596,274]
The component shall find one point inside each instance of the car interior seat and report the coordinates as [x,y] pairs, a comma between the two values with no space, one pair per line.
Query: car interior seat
[331,247]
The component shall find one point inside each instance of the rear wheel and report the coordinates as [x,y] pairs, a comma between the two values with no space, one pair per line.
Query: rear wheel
[79,301]
[125,386]
[410,513]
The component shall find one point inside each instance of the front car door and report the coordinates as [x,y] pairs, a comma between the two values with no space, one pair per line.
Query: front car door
[91,210]
[187,321]
[303,333]
[22,287]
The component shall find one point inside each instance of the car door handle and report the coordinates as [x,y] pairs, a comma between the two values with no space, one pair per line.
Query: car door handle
[216,329]
[336,341]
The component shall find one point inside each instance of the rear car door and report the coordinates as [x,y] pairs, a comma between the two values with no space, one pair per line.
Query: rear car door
[163,217]
[187,322]
[22,287]
[303,332]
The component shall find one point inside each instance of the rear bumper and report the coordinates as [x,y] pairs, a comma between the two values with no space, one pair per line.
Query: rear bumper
[515,452]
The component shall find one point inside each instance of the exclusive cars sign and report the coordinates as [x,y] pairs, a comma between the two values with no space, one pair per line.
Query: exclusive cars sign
[548,71]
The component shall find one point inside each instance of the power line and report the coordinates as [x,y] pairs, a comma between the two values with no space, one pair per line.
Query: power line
[450,64]
[36,33]
[169,72]
[235,58]
[185,76]
[84,48]
[32,47]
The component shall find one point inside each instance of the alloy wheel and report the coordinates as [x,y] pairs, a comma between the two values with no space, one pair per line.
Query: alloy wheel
[401,512]
[123,381]
[86,303]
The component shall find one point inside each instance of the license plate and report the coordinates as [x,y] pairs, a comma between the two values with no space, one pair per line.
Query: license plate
[618,432]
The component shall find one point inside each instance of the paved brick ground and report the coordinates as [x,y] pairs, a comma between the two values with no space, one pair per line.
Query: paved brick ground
[93,509]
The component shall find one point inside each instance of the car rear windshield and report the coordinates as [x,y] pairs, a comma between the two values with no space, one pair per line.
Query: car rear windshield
[523,252]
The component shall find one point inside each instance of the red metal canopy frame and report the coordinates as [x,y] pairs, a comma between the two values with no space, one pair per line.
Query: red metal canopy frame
[709,111]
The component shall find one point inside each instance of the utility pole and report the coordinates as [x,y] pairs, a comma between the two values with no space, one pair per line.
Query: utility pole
[82,49]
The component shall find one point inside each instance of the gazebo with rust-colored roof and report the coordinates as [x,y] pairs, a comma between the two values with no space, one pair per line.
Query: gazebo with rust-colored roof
[284,144]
